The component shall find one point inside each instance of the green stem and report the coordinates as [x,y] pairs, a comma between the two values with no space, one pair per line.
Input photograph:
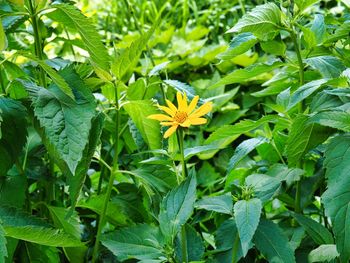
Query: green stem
[102,219]
[37,40]
[242,4]
[184,244]
[235,249]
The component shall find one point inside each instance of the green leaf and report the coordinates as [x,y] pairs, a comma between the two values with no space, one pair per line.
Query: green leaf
[3,249]
[243,150]
[275,47]
[181,87]
[305,91]
[138,111]
[128,58]
[324,253]
[142,242]
[239,44]
[303,4]
[272,243]
[246,74]
[264,21]
[189,152]
[66,123]
[13,131]
[264,186]
[221,204]
[227,239]
[3,39]
[177,207]
[283,173]
[336,119]
[316,231]
[336,198]
[247,216]
[19,225]
[73,19]
[328,66]
[303,137]
[239,128]
[195,246]
[13,190]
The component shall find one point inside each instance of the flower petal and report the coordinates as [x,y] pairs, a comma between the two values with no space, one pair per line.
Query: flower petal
[170,131]
[179,101]
[184,103]
[193,104]
[167,123]
[197,121]
[186,123]
[202,110]
[167,110]
[171,105]
[160,117]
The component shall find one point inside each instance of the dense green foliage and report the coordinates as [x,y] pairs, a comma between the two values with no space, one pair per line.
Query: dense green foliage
[86,176]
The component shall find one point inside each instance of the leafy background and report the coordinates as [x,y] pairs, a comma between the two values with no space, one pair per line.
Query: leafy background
[85,176]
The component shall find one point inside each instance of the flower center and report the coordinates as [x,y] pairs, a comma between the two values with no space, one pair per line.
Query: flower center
[180,116]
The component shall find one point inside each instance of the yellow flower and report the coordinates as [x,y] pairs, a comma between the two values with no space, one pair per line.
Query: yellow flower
[184,115]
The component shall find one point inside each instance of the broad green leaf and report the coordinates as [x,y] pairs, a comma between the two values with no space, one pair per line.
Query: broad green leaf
[328,66]
[305,91]
[283,173]
[227,239]
[239,128]
[318,27]
[316,231]
[3,249]
[324,253]
[181,87]
[336,198]
[3,39]
[335,119]
[264,186]
[247,217]
[272,243]
[239,44]
[70,225]
[66,123]
[76,181]
[142,242]
[42,253]
[128,58]
[73,19]
[264,21]
[138,111]
[303,137]
[177,207]
[303,4]
[243,150]
[13,131]
[195,246]
[275,47]
[20,225]
[13,190]
[189,152]
[221,204]
[246,74]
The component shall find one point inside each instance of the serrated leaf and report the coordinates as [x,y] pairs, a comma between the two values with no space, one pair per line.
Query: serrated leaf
[13,132]
[305,91]
[263,21]
[316,231]
[283,173]
[324,253]
[3,39]
[243,149]
[303,137]
[177,207]
[20,225]
[244,75]
[181,87]
[247,217]
[66,123]
[221,204]
[328,66]
[303,4]
[239,128]
[336,119]
[264,186]
[72,18]
[142,242]
[272,243]
[238,45]
[336,198]
[138,111]
[3,249]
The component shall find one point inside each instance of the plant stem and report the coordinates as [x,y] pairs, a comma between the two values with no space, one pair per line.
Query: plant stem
[180,139]
[235,249]
[102,219]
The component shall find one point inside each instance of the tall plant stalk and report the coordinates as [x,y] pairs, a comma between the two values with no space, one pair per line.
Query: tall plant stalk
[102,219]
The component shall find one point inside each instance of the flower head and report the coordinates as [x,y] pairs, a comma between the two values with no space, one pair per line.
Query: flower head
[184,115]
